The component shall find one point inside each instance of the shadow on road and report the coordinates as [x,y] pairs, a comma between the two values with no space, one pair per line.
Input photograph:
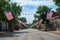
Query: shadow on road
[11,34]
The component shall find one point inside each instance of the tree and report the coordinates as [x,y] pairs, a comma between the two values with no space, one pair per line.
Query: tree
[58,11]
[23,19]
[34,21]
[57,2]
[3,5]
[41,12]
[16,9]
[13,7]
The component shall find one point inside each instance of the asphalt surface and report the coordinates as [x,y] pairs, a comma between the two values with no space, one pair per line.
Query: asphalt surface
[29,34]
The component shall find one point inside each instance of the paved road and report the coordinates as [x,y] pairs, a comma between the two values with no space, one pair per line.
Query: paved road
[29,34]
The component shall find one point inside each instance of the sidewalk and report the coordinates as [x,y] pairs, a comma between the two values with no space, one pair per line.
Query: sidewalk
[56,32]
[4,34]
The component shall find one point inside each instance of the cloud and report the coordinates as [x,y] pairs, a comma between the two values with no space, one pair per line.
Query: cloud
[30,7]
[34,2]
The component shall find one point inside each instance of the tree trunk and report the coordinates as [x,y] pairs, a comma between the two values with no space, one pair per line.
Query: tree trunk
[11,27]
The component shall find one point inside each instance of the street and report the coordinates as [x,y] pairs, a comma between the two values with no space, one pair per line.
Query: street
[29,34]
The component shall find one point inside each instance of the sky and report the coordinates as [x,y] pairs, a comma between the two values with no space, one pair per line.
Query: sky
[30,7]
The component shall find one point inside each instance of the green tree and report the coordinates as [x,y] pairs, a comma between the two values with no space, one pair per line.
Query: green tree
[3,5]
[57,2]
[15,9]
[23,19]
[34,21]
[41,12]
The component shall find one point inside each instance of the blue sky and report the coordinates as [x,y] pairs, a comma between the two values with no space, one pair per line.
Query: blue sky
[30,7]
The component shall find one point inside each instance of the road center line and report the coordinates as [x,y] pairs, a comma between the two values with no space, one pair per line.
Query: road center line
[29,36]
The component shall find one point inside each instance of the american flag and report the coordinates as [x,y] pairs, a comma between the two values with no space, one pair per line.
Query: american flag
[40,21]
[49,15]
[8,14]
[20,22]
